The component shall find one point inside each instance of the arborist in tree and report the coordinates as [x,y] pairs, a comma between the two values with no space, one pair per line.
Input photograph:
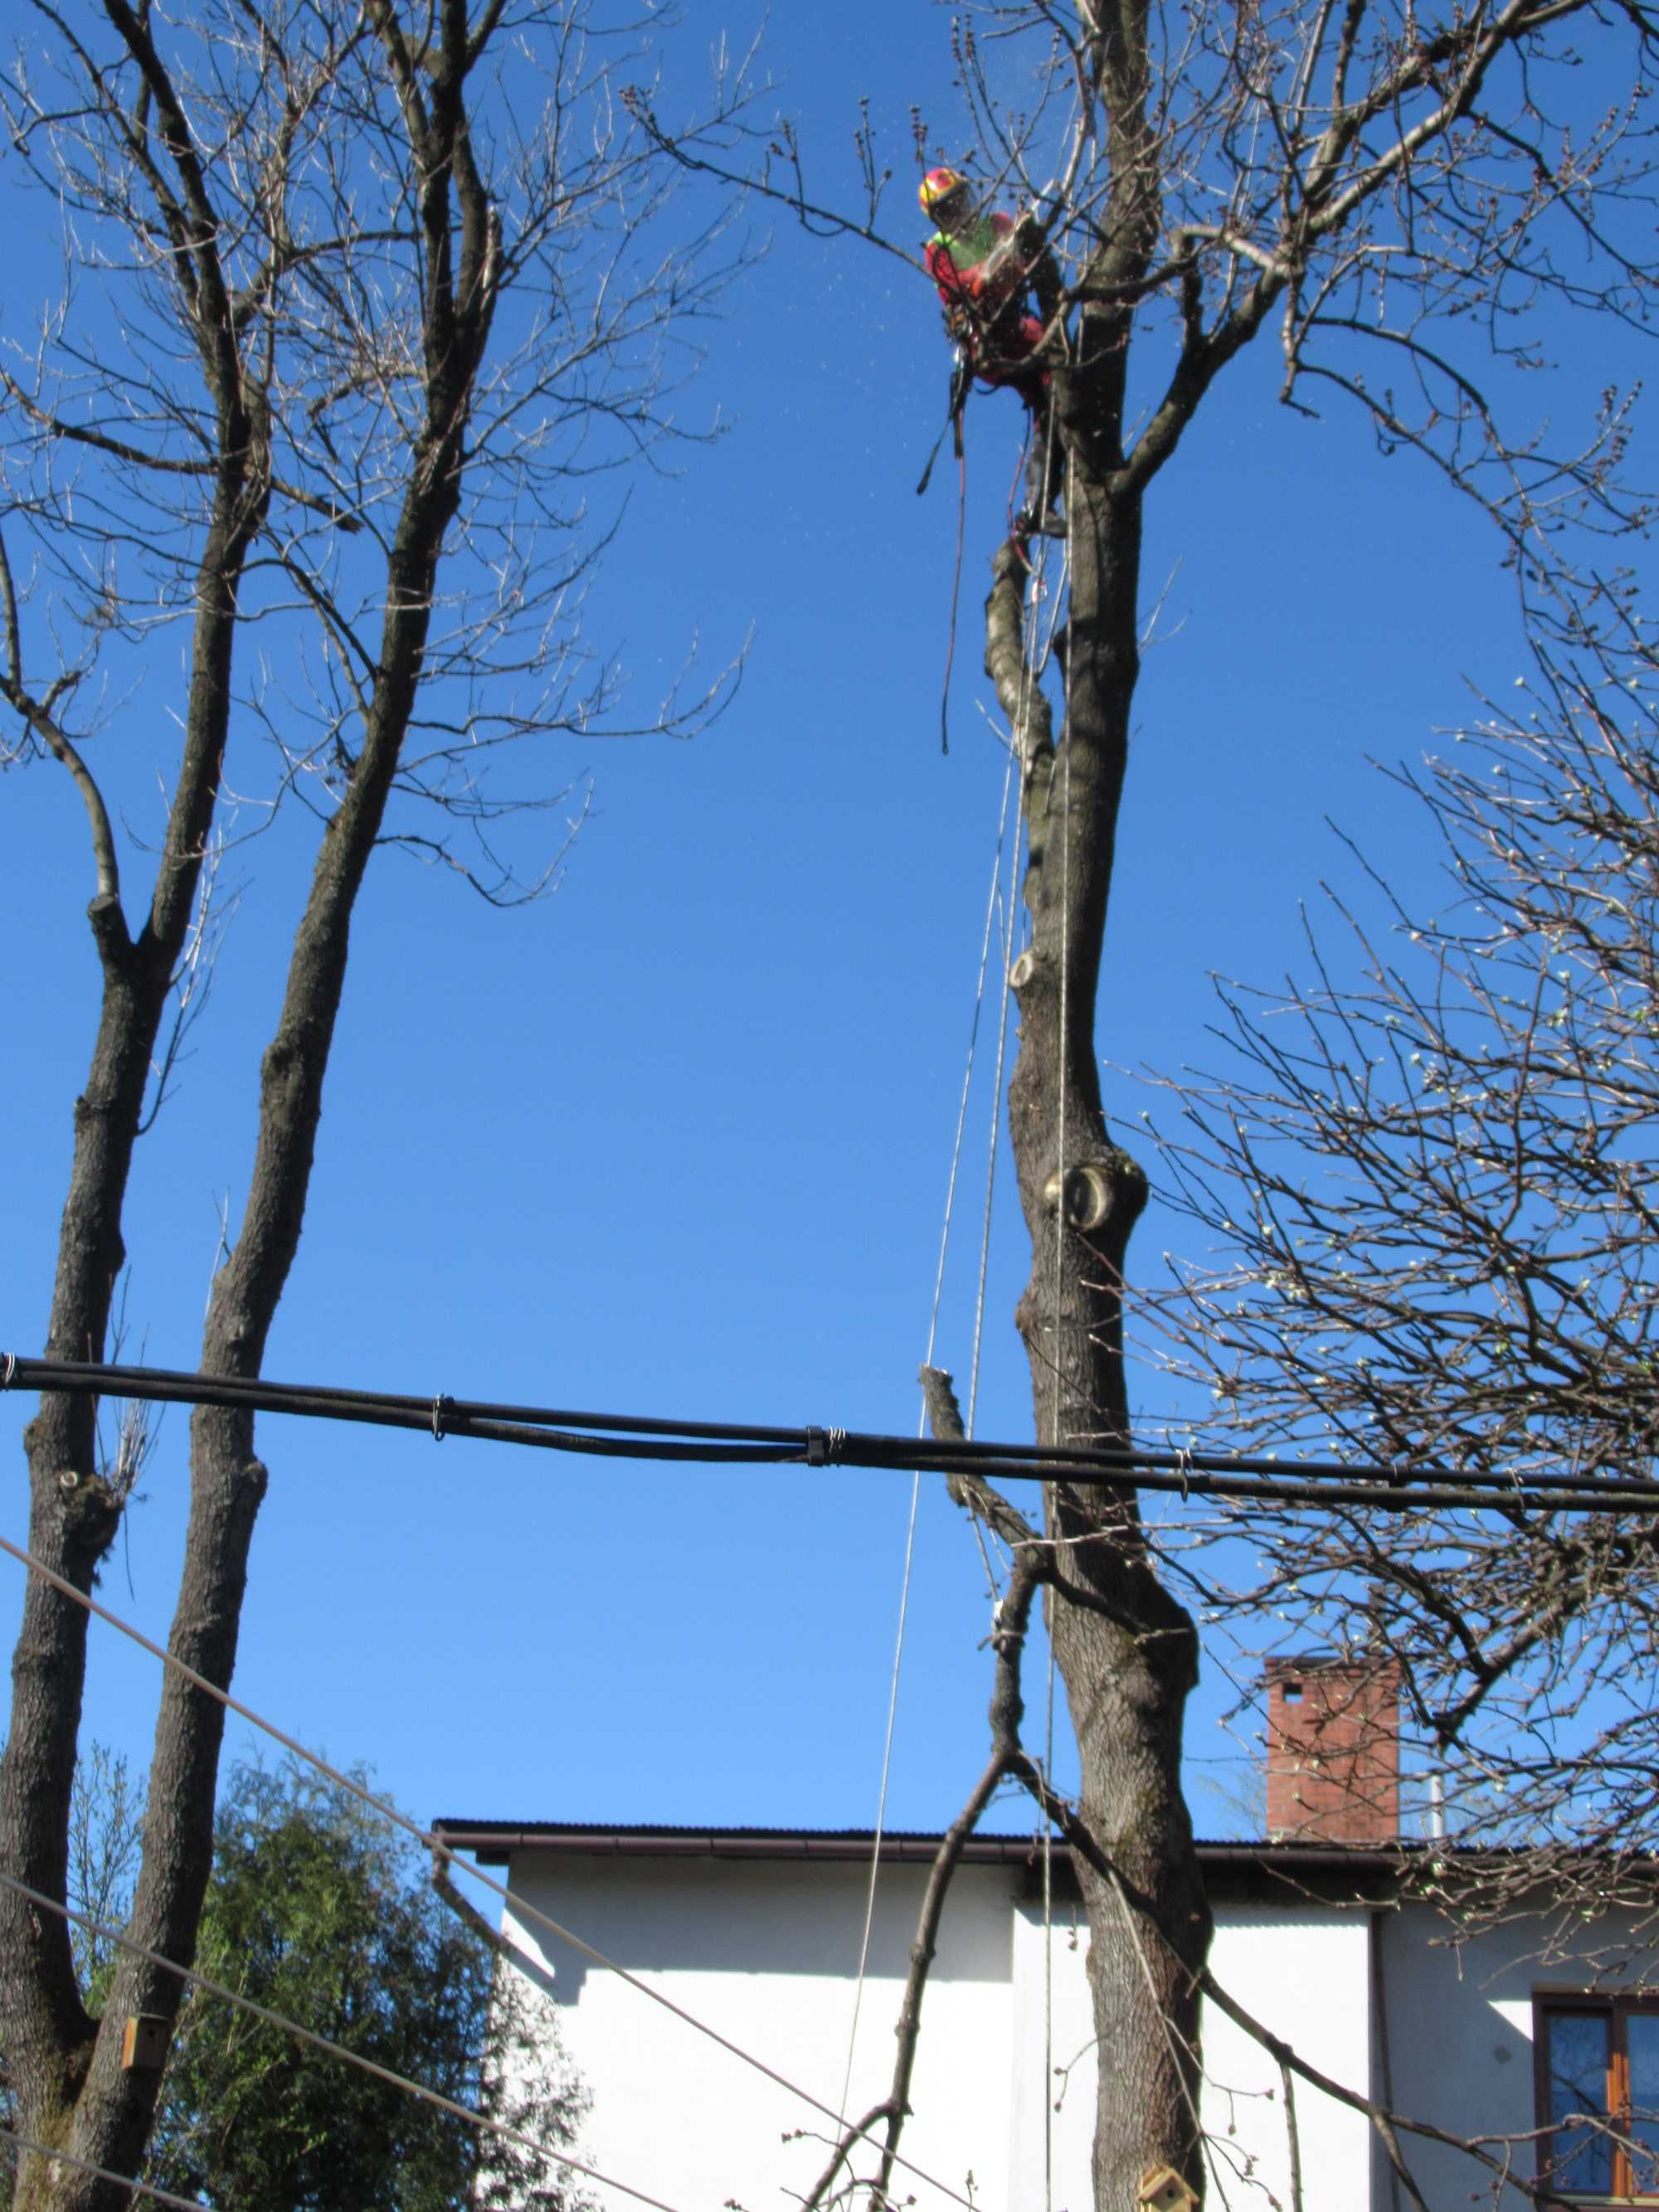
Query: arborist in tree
[986,265]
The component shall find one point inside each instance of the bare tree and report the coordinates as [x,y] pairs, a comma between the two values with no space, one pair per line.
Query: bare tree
[1400,196]
[1435,1162]
[360,300]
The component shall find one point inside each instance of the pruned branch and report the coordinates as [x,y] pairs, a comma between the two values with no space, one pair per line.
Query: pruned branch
[1006,1712]
[968,1491]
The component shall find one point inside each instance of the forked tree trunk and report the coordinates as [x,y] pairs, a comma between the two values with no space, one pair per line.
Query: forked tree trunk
[73,2092]
[74,1511]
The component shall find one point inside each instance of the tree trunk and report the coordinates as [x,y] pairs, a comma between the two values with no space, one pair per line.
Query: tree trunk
[74,1511]
[1126,1651]
[114,2111]
[75,2091]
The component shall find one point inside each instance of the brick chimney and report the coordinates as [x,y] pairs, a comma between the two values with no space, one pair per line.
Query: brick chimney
[1332,1750]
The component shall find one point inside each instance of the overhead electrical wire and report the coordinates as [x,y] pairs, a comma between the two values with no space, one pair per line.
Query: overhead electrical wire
[433,1841]
[1258,1478]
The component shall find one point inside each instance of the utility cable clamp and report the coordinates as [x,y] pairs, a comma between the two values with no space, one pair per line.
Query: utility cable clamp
[825,1446]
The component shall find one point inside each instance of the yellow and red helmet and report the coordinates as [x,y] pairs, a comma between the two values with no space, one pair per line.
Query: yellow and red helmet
[937,186]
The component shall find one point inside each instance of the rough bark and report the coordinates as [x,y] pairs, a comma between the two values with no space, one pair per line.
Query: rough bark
[1377,135]
[312,236]
[1127,1653]
[74,1510]
[66,2068]
[1390,189]
[228,1478]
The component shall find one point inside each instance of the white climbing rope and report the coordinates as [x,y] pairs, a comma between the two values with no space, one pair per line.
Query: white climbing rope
[915,1483]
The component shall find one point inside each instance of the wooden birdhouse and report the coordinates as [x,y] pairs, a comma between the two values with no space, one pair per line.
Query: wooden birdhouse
[144,2043]
[1162,2190]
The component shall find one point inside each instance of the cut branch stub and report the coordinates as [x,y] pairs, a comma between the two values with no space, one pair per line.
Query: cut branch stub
[1084,1193]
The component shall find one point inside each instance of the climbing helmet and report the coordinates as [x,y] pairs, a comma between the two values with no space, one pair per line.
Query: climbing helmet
[937,186]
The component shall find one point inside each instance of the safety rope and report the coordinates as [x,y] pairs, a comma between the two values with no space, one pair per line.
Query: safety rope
[1012,910]
[881,1803]
[1049,1949]
[915,1484]
[1011,904]
[1059,1233]
[1005,948]
[1060,1042]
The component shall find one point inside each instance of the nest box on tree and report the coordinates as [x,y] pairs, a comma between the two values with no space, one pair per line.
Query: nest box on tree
[1162,2190]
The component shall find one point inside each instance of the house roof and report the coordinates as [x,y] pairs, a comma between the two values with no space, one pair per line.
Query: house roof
[1262,1867]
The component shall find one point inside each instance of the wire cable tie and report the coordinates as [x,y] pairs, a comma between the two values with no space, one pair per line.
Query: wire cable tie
[1003,1639]
[438,1403]
[825,1446]
[11,1369]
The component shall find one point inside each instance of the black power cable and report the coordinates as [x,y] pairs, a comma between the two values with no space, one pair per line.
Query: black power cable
[1241,1476]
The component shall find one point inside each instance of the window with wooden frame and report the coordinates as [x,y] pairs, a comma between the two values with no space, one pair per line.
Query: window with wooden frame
[1596,2061]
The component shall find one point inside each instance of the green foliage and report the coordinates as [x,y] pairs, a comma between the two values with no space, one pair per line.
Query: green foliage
[320,1912]
[106,1834]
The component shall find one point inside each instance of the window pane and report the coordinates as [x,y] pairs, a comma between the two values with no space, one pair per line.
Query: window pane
[1641,2042]
[1578,2083]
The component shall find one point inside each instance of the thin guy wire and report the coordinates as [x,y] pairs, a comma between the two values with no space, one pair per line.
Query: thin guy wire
[193,1979]
[435,1843]
[102,2172]
[915,1480]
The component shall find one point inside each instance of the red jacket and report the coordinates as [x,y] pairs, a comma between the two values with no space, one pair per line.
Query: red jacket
[979,304]
[957,266]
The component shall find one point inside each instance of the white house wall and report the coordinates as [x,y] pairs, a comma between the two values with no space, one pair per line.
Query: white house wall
[766,1953]
[1303,1970]
[767,1956]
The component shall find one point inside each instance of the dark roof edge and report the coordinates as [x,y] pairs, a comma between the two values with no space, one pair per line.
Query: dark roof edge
[495,1840]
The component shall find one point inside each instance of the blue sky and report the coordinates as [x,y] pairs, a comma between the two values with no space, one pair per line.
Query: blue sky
[676,1139]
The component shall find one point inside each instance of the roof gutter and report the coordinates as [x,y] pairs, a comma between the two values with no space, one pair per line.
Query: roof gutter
[493,1842]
